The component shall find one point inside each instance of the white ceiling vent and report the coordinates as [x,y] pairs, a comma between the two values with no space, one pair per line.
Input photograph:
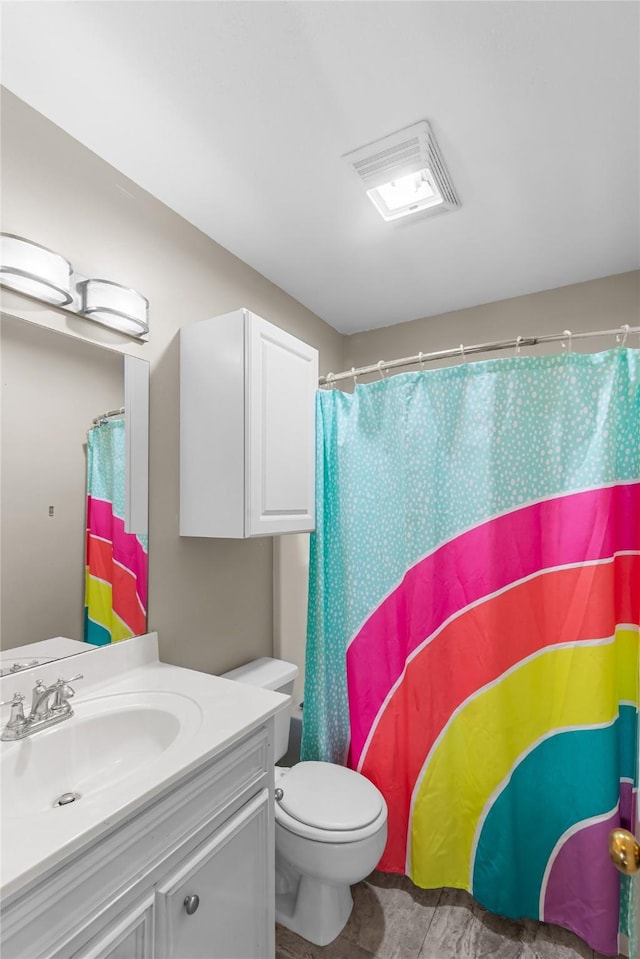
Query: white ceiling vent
[404,174]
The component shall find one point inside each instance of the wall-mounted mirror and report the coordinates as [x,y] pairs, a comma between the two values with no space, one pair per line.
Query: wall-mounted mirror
[74,505]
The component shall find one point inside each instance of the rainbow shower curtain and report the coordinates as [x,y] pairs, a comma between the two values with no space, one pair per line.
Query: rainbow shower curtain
[474,611]
[116,563]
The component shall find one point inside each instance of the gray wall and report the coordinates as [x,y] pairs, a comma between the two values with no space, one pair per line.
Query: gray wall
[52,387]
[210,600]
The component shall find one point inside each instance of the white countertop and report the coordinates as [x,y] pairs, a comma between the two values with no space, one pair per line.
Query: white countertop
[31,844]
[44,651]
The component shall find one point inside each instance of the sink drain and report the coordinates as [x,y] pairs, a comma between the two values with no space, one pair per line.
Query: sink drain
[66,798]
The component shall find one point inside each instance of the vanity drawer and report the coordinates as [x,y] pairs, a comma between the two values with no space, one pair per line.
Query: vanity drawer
[54,913]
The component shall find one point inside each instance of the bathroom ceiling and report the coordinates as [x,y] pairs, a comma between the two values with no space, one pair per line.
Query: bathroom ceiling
[237,114]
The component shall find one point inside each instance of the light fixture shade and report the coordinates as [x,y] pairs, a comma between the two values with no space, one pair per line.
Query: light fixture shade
[33,269]
[115,306]
[406,195]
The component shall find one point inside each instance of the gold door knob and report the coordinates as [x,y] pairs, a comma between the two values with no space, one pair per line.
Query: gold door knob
[624,851]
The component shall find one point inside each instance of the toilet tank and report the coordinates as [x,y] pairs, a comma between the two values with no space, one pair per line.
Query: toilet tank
[273,674]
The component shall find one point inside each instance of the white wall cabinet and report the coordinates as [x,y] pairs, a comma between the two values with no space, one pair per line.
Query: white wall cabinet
[247,428]
[123,896]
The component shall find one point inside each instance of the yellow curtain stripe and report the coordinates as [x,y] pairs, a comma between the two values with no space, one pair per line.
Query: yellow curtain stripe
[98,600]
[572,686]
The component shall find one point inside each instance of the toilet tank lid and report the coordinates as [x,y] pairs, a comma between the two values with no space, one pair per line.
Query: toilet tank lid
[266,672]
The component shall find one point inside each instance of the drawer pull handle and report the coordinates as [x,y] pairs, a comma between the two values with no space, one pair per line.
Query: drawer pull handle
[191,903]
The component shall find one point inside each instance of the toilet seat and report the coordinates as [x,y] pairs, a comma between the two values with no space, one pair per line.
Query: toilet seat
[328,803]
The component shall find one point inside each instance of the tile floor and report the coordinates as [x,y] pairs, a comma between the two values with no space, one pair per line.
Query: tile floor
[393,919]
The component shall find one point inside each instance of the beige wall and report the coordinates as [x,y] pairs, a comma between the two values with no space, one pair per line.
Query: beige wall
[52,387]
[596,305]
[218,603]
[210,600]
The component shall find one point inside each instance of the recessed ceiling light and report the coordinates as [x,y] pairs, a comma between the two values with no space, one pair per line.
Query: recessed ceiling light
[404,174]
[406,195]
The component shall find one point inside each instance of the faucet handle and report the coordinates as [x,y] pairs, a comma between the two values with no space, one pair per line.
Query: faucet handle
[64,692]
[17,698]
[17,718]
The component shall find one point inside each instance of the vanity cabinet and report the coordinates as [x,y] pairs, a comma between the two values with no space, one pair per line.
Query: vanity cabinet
[129,937]
[125,896]
[247,428]
[226,883]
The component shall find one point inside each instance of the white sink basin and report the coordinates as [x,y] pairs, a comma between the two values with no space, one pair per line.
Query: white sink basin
[139,727]
[107,740]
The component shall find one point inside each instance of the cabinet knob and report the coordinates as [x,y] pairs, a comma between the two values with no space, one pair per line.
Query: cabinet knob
[191,903]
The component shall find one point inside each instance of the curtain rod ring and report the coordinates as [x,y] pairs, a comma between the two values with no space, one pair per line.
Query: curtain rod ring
[621,337]
[420,360]
[567,346]
[380,370]
[519,340]
[462,354]
[331,380]
[354,375]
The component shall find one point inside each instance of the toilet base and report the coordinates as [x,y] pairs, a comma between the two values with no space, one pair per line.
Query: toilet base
[317,911]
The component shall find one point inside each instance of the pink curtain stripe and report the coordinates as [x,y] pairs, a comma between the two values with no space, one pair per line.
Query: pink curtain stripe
[595,524]
[127,550]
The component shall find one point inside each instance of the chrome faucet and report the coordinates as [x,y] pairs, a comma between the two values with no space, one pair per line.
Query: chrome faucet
[49,705]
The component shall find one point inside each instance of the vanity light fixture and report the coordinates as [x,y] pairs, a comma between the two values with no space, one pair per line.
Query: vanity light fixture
[35,270]
[115,306]
[404,174]
[39,273]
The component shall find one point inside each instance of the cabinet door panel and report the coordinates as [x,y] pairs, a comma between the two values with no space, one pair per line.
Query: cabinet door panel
[280,434]
[128,937]
[230,876]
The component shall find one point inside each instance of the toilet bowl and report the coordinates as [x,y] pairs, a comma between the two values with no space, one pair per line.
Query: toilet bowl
[331,830]
[330,827]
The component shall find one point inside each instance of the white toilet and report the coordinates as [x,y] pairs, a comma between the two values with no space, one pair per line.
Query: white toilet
[331,825]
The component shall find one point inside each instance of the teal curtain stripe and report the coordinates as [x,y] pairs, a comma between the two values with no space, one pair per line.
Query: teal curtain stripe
[568,778]
[627,743]
[628,918]
[106,469]
[327,739]
[94,633]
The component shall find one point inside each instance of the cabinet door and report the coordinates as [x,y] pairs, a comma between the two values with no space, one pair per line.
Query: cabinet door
[282,379]
[232,877]
[128,937]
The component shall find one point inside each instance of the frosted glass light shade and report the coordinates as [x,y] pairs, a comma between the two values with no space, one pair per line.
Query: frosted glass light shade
[409,194]
[115,306]
[33,269]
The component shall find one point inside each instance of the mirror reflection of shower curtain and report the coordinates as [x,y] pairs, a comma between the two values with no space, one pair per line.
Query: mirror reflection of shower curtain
[116,561]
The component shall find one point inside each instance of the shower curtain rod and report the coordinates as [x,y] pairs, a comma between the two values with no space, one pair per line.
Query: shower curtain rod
[103,416]
[464,351]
